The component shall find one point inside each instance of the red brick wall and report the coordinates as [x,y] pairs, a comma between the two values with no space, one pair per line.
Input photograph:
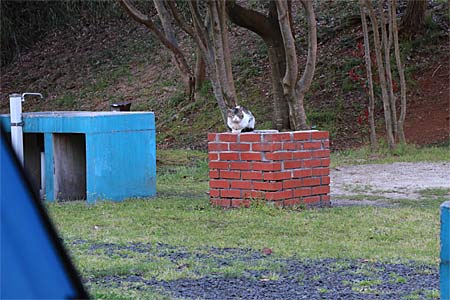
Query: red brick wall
[288,168]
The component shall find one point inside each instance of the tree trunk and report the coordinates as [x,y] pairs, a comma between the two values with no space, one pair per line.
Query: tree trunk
[222,60]
[413,21]
[280,116]
[386,43]
[401,73]
[371,106]
[200,70]
[296,118]
[305,81]
[381,74]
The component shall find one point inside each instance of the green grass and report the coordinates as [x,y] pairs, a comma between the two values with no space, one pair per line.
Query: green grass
[181,217]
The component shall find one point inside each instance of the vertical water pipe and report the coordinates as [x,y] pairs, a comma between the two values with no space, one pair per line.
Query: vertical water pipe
[42,191]
[15,113]
[445,251]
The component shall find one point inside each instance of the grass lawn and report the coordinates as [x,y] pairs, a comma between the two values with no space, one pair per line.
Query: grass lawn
[140,236]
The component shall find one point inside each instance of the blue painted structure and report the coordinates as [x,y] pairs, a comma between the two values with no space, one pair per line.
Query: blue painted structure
[119,154]
[445,251]
[34,264]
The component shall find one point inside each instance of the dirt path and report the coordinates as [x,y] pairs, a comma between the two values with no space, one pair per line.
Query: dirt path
[362,184]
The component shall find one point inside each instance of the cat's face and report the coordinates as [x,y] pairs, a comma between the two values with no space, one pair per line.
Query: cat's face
[236,114]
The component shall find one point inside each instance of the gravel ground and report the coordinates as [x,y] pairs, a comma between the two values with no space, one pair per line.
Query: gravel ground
[386,181]
[280,279]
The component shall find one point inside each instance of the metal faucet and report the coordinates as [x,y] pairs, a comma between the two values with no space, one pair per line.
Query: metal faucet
[31,94]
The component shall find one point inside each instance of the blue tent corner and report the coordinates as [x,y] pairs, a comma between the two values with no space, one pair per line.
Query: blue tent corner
[34,263]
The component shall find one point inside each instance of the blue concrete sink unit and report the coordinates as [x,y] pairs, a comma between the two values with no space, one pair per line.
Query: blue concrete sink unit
[90,155]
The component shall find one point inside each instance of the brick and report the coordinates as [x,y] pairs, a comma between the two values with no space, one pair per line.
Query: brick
[302,135]
[318,190]
[239,147]
[293,183]
[218,184]
[280,195]
[311,181]
[321,153]
[266,166]
[230,174]
[214,174]
[302,173]
[250,137]
[276,137]
[252,175]
[240,203]
[214,193]
[268,186]
[325,180]
[326,144]
[241,165]
[213,156]
[253,194]
[229,156]
[230,193]
[302,192]
[266,146]
[228,137]
[241,184]
[290,146]
[277,175]
[279,155]
[311,163]
[320,171]
[243,202]
[312,145]
[325,162]
[292,164]
[251,156]
[325,198]
[221,202]
[312,200]
[292,202]
[217,146]
[212,137]
[301,154]
[320,135]
[218,165]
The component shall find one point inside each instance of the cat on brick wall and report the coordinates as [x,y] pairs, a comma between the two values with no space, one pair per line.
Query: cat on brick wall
[240,119]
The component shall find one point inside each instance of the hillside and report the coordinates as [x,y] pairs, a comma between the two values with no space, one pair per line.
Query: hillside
[89,65]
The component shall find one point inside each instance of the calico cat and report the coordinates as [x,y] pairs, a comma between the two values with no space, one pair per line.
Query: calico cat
[240,119]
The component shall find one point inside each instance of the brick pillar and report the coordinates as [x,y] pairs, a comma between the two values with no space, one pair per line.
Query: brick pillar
[286,168]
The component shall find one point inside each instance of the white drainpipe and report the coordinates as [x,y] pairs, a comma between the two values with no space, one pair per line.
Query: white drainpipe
[15,108]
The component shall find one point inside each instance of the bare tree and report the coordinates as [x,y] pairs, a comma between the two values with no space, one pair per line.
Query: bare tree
[401,73]
[371,106]
[208,30]
[382,75]
[268,28]
[394,124]
[276,30]
[167,38]
[386,42]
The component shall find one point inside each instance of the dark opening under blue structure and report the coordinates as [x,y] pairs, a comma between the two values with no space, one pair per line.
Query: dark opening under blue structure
[34,263]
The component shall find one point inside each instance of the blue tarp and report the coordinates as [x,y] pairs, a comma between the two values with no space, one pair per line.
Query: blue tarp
[34,264]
